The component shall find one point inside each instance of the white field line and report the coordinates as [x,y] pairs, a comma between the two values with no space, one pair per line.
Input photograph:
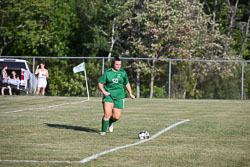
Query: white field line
[102,153]
[46,107]
[134,144]
[37,161]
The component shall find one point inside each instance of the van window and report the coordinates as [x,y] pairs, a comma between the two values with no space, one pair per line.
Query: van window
[13,65]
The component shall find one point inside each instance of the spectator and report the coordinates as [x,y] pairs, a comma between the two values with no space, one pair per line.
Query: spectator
[14,80]
[43,74]
[5,78]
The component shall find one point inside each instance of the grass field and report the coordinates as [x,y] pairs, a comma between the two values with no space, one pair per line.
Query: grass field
[54,131]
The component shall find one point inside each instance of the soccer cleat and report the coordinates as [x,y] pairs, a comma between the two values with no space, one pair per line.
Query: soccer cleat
[111,128]
[102,133]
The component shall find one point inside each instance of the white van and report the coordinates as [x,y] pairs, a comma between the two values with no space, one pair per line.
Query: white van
[28,81]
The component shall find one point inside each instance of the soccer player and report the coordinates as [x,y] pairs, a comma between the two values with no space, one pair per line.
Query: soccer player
[111,84]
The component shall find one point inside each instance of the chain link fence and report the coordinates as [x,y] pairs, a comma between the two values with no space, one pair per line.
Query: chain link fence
[151,78]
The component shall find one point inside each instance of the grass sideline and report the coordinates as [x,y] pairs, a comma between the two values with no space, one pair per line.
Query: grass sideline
[216,135]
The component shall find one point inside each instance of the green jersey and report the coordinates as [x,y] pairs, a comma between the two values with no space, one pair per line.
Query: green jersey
[114,82]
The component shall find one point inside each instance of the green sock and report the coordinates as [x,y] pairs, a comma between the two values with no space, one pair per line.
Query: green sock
[105,125]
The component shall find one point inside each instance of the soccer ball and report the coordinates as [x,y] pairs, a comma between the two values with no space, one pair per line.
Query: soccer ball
[143,135]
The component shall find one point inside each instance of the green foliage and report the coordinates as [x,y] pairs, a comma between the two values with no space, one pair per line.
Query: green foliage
[37,27]
[247,81]
[24,25]
[101,21]
[137,28]
[158,93]
[66,85]
[222,13]
[173,29]
[63,82]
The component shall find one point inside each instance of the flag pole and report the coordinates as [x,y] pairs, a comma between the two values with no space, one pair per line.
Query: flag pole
[86,83]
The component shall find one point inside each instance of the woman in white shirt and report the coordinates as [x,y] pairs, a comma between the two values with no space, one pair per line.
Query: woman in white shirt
[43,74]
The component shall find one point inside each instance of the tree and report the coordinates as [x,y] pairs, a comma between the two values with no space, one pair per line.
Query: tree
[37,27]
[232,16]
[23,26]
[103,28]
[172,29]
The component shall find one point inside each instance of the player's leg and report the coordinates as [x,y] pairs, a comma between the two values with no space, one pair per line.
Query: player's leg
[107,108]
[115,117]
[116,114]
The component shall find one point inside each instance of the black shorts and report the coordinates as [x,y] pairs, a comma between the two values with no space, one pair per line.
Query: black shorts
[5,84]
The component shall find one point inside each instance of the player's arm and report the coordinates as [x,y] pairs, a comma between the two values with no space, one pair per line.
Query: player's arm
[101,88]
[129,91]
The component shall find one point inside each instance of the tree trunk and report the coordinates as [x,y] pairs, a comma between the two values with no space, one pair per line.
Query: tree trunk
[5,44]
[214,13]
[232,15]
[113,40]
[246,37]
[152,80]
[184,93]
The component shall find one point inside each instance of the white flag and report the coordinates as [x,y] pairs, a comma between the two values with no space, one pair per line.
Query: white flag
[79,68]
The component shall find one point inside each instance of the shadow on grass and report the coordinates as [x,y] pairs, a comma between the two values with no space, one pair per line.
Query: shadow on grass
[78,128]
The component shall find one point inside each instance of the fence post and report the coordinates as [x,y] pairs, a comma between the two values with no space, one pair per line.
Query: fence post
[169,80]
[33,67]
[242,81]
[103,65]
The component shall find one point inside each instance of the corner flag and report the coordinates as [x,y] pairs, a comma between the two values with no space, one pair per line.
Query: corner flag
[79,68]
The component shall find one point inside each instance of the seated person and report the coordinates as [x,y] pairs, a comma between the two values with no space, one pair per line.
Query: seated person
[14,80]
[13,75]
